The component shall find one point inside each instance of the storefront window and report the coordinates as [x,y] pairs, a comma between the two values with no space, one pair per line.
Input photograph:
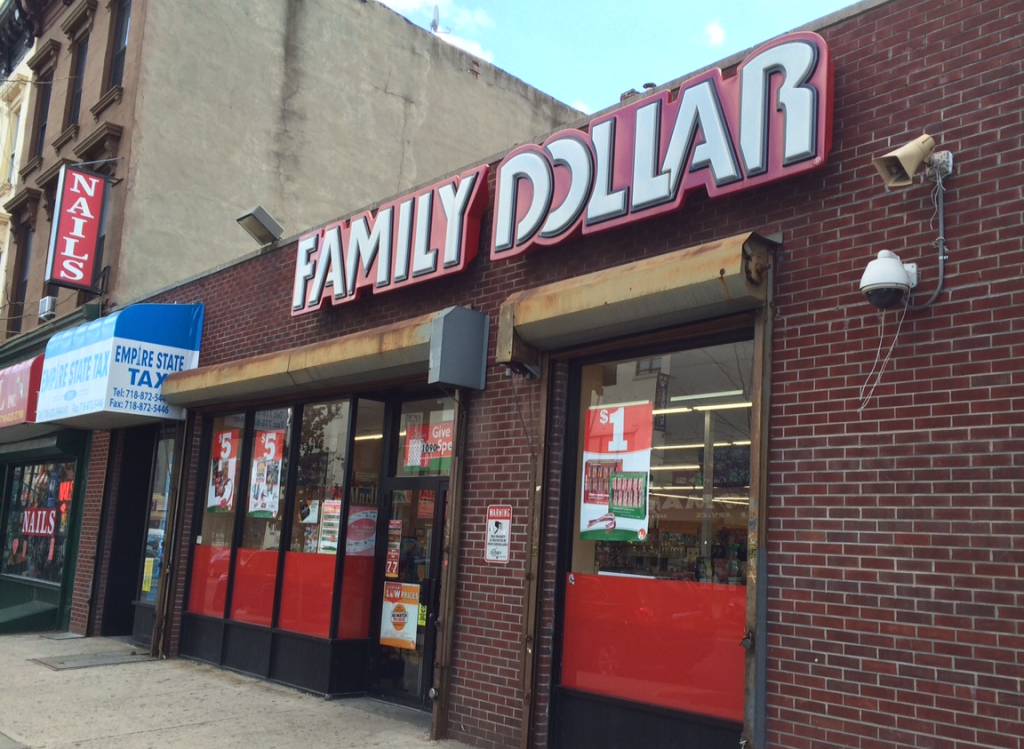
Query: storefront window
[308,586]
[425,438]
[37,523]
[361,532]
[152,563]
[212,556]
[252,597]
[655,601]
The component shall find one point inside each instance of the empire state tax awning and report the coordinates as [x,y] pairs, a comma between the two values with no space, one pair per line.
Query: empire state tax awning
[109,373]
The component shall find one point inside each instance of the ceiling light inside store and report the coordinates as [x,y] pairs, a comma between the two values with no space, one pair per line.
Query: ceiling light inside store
[701,396]
[368,437]
[680,410]
[723,406]
[676,468]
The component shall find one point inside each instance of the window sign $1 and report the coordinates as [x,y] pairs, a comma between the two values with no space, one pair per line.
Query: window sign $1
[616,468]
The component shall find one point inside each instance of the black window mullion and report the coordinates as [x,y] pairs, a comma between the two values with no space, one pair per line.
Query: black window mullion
[238,532]
[339,563]
[287,507]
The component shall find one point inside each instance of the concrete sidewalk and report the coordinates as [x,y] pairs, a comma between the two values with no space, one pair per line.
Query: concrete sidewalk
[96,692]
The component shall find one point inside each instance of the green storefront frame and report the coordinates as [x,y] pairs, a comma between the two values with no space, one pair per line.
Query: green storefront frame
[28,605]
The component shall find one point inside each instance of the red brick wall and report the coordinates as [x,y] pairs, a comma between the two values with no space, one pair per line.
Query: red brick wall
[179,594]
[92,512]
[894,546]
[106,537]
[895,559]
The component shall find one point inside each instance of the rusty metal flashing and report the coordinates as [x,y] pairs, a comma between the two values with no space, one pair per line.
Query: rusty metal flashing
[389,351]
[708,280]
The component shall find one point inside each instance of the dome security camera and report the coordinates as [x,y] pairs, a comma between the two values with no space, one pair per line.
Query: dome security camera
[887,281]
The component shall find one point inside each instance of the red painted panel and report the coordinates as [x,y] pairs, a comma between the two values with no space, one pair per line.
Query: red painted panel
[356,596]
[307,593]
[664,642]
[252,598]
[19,391]
[209,580]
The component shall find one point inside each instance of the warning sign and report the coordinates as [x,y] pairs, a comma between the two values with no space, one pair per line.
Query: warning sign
[499,533]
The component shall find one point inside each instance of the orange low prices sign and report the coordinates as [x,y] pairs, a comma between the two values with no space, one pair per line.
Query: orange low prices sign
[400,615]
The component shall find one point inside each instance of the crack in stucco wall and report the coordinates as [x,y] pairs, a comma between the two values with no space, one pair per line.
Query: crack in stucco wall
[407,102]
[285,154]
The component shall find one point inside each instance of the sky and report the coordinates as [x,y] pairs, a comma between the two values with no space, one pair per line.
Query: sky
[586,54]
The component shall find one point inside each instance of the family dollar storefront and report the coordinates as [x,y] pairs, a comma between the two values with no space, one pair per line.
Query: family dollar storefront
[323,518]
[104,377]
[496,448]
[654,377]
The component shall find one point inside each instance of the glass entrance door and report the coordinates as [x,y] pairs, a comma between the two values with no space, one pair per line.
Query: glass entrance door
[152,565]
[409,591]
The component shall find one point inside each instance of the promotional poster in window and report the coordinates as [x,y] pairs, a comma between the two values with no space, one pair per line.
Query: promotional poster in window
[616,470]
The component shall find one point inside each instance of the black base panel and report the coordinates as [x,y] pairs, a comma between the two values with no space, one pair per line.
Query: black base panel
[303,662]
[328,667]
[202,638]
[333,668]
[349,671]
[584,721]
[246,649]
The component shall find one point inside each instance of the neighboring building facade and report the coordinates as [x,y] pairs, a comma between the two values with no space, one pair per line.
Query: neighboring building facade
[16,42]
[189,113]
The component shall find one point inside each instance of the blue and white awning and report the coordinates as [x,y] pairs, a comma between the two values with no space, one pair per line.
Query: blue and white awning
[108,373]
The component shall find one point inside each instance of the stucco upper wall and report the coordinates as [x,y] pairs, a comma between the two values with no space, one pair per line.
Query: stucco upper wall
[308,107]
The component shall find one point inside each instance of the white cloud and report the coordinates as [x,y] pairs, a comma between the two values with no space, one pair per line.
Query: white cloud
[452,16]
[714,34]
[408,6]
[582,106]
[467,45]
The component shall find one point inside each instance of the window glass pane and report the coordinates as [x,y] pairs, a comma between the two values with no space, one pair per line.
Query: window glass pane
[361,533]
[425,438]
[659,552]
[43,113]
[152,563]
[212,553]
[252,597]
[37,521]
[307,592]
[321,477]
[78,84]
[12,146]
[120,43]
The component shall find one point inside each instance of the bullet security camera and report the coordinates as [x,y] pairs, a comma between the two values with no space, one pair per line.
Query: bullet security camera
[887,281]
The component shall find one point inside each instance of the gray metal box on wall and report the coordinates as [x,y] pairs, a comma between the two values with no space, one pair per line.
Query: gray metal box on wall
[458,348]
